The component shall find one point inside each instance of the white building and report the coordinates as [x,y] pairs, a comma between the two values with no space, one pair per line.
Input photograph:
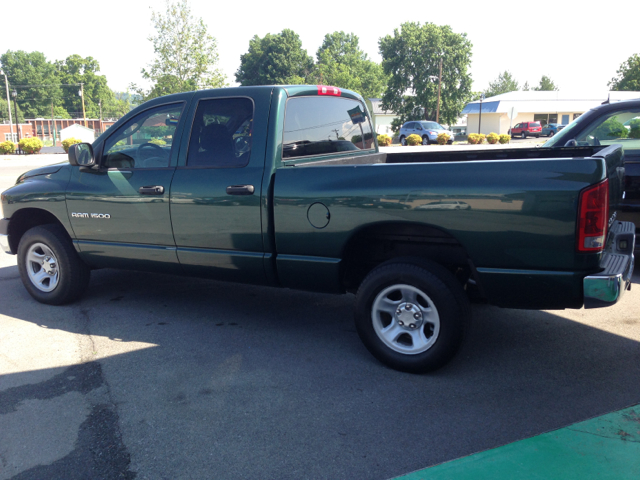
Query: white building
[78,131]
[545,107]
[381,118]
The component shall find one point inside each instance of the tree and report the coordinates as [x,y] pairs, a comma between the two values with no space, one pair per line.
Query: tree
[35,80]
[186,55]
[72,72]
[410,57]
[4,113]
[526,87]
[503,84]
[628,75]
[546,85]
[275,59]
[343,64]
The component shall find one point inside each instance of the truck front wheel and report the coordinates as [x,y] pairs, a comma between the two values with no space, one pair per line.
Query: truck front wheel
[50,269]
[411,315]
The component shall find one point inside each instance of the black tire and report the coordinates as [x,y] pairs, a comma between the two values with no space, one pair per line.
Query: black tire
[71,273]
[403,141]
[425,140]
[443,294]
[523,135]
[551,133]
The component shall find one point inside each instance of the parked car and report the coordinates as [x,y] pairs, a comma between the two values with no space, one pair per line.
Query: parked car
[526,129]
[429,132]
[610,124]
[542,232]
[550,129]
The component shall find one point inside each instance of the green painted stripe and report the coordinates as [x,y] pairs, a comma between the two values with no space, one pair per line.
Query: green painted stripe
[606,447]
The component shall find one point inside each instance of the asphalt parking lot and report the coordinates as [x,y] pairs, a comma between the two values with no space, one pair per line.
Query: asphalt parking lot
[155,376]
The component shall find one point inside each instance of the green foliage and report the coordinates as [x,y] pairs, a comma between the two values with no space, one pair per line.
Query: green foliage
[443,138]
[414,139]
[503,84]
[157,141]
[343,64]
[546,85]
[410,56]
[186,55]
[68,142]
[4,113]
[610,129]
[384,140]
[33,68]
[493,138]
[628,75]
[475,138]
[31,145]
[526,87]
[504,138]
[73,71]
[634,128]
[275,60]
[7,147]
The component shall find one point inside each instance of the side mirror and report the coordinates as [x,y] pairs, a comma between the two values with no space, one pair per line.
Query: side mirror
[81,155]
[571,143]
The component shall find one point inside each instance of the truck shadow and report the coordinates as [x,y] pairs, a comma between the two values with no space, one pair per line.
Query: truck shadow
[210,371]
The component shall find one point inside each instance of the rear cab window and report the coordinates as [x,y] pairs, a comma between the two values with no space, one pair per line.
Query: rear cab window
[320,126]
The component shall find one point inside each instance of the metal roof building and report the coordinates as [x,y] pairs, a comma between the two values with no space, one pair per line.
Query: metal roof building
[545,107]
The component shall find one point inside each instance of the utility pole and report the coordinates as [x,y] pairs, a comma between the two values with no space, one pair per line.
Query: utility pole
[14,94]
[100,105]
[439,85]
[84,115]
[53,124]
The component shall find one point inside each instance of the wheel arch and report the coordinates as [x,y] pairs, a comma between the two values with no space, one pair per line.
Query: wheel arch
[373,245]
[27,218]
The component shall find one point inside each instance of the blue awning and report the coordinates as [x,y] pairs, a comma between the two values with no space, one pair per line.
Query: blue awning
[487,107]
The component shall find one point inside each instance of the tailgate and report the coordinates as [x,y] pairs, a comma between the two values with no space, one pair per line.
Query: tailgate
[614,158]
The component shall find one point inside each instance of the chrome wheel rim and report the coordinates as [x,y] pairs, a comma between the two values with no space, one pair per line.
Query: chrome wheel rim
[42,267]
[405,319]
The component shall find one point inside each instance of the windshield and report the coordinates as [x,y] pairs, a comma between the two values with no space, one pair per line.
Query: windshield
[565,134]
[432,126]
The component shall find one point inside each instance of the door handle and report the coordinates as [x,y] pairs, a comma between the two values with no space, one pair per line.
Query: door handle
[240,190]
[151,190]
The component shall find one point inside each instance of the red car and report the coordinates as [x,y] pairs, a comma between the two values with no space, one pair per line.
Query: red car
[524,129]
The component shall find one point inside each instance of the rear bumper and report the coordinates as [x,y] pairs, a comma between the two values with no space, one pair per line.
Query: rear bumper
[607,287]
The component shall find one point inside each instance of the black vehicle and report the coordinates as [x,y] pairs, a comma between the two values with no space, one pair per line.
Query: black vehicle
[606,124]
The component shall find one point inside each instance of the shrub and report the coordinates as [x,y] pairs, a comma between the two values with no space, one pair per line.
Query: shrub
[504,138]
[475,138]
[493,138]
[384,140]
[7,147]
[157,141]
[443,138]
[414,139]
[611,129]
[68,142]
[634,128]
[30,145]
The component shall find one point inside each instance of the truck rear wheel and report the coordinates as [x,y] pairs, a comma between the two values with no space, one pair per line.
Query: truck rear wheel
[50,268]
[411,314]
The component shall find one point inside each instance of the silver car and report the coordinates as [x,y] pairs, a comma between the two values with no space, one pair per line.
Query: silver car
[429,132]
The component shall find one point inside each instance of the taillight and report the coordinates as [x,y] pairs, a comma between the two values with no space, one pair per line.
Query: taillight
[592,220]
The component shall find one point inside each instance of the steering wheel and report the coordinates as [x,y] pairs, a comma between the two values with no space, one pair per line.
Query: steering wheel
[159,154]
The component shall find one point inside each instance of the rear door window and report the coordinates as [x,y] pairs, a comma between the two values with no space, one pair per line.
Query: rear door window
[325,125]
[221,133]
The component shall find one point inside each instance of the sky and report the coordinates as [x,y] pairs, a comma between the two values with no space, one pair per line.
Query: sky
[578,44]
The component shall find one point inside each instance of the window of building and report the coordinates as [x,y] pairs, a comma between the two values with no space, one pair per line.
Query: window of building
[325,125]
[11,136]
[221,133]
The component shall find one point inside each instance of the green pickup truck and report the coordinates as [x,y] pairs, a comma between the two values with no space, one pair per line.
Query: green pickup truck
[285,186]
